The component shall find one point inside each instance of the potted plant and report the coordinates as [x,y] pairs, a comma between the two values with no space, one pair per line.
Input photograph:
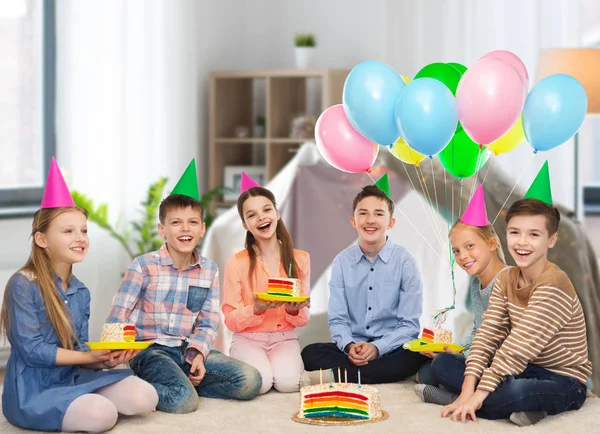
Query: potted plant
[258,129]
[305,49]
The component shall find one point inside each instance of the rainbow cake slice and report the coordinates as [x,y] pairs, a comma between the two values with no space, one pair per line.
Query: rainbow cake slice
[118,332]
[436,335]
[284,286]
[343,401]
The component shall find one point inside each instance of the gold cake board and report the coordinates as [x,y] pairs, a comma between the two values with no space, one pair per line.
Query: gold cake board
[334,421]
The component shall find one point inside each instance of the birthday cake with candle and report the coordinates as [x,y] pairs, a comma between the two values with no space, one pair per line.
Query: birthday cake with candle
[284,286]
[436,335]
[343,401]
[118,332]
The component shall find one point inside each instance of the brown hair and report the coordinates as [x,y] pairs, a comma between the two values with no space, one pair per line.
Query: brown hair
[40,266]
[534,207]
[178,201]
[287,246]
[485,232]
[374,191]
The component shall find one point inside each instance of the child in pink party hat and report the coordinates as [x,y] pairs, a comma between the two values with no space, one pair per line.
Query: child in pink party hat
[477,250]
[53,381]
[264,330]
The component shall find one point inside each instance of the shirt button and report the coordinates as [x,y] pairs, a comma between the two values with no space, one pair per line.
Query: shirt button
[368,327]
[372,269]
[370,288]
[369,308]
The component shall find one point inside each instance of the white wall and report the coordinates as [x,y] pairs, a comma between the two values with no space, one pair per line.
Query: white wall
[133,77]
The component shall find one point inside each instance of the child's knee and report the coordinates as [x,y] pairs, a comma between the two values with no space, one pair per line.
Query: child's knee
[101,415]
[178,399]
[251,383]
[144,398]
[287,383]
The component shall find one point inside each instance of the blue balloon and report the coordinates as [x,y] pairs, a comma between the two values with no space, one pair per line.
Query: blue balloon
[426,115]
[370,93]
[554,111]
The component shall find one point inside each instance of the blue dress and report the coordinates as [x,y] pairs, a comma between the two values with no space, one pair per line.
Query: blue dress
[37,392]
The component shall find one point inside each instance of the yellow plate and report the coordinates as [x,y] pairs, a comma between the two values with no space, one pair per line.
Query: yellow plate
[418,346]
[268,297]
[118,345]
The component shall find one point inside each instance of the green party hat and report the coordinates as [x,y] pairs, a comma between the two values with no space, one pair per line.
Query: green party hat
[188,183]
[540,187]
[384,184]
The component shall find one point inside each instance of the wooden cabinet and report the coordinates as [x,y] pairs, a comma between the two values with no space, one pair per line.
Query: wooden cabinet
[237,98]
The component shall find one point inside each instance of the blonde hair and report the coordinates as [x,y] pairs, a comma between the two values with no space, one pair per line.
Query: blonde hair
[484,232]
[40,266]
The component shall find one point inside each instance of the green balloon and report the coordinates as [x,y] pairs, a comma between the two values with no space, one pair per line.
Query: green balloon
[460,156]
[443,72]
[460,68]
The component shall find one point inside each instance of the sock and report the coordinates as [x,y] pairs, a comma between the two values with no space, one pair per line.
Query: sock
[526,418]
[434,395]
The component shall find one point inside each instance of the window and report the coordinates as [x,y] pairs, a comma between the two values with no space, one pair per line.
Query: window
[27,46]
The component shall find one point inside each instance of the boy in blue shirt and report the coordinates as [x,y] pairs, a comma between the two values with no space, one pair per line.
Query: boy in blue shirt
[375,301]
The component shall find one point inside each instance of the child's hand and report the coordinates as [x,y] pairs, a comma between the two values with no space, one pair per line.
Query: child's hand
[97,356]
[197,371]
[361,353]
[119,357]
[294,308]
[468,408]
[261,306]
[429,354]
[458,403]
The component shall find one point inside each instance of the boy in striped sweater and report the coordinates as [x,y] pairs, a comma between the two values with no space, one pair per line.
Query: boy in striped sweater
[529,357]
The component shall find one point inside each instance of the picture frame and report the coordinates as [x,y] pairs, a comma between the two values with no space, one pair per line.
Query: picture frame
[232,176]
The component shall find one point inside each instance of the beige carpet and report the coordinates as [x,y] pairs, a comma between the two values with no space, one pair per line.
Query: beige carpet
[272,412]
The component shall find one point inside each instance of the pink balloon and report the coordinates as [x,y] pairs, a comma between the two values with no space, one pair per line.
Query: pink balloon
[514,61]
[341,145]
[490,98]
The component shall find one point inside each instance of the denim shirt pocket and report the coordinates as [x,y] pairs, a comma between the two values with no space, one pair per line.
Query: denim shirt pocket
[196,298]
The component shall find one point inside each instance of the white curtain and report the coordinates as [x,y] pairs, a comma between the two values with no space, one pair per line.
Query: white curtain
[427,31]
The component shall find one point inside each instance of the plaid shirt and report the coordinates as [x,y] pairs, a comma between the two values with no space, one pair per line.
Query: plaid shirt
[168,305]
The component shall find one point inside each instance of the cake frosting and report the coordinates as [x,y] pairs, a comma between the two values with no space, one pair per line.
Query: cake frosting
[436,335]
[340,400]
[284,286]
[118,332]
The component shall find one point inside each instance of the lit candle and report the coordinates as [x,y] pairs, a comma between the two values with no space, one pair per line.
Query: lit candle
[346,375]
[339,376]
[358,377]
[321,375]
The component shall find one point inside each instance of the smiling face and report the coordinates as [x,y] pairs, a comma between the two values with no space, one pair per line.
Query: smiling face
[66,240]
[371,220]
[183,227]
[260,217]
[528,240]
[472,252]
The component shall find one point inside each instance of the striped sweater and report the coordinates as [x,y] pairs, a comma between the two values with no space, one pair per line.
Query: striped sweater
[541,324]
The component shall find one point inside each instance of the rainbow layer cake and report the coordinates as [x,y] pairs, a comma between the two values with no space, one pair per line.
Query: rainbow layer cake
[344,401]
[118,332]
[284,286]
[436,335]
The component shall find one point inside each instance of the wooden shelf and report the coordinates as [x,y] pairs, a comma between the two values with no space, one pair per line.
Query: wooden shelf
[280,95]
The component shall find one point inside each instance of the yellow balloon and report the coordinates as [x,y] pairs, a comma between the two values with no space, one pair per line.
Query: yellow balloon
[405,153]
[512,139]
[406,79]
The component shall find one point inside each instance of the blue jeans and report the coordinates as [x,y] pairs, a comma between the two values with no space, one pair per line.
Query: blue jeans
[166,369]
[534,389]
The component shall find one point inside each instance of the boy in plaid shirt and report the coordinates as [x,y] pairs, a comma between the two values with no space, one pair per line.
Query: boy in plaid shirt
[172,297]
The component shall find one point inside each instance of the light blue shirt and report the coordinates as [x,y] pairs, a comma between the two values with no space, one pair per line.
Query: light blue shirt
[378,302]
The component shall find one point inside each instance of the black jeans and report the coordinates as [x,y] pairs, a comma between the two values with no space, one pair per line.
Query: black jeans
[389,368]
[534,389]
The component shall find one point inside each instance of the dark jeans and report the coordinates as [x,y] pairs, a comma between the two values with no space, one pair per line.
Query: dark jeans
[166,369]
[534,389]
[389,368]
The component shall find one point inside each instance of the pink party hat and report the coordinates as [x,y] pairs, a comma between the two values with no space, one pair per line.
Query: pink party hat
[476,213]
[247,183]
[56,193]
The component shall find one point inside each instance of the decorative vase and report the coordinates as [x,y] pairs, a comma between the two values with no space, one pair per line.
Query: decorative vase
[304,57]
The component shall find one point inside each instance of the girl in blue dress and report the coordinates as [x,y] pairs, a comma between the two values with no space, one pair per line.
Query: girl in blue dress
[53,382]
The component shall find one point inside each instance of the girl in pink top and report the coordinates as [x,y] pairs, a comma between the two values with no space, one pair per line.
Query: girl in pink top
[264,331]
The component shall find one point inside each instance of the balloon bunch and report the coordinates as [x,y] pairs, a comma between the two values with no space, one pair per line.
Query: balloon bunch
[461,114]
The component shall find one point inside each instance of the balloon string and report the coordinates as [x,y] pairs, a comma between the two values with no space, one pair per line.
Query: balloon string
[411,223]
[513,188]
